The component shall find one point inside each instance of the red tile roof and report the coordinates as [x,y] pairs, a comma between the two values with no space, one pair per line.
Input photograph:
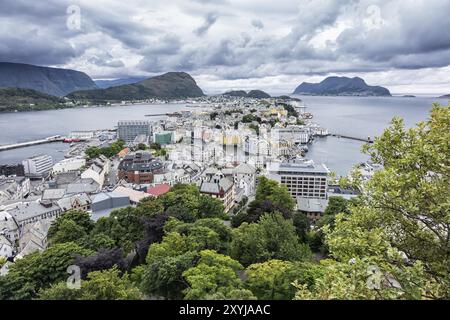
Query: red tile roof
[159,189]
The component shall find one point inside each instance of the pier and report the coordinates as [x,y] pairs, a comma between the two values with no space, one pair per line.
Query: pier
[368,140]
[31,143]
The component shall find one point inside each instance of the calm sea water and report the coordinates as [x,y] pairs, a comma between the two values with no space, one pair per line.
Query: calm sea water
[355,116]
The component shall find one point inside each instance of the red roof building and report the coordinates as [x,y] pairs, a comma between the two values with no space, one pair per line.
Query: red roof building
[158,190]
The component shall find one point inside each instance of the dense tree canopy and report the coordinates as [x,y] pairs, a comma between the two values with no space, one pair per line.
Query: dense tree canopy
[99,285]
[272,237]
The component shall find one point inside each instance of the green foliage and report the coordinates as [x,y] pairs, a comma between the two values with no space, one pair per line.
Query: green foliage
[275,193]
[109,152]
[142,146]
[203,234]
[162,276]
[215,276]
[80,218]
[248,118]
[123,226]
[39,270]
[100,285]
[273,237]
[302,225]
[12,99]
[68,231]
[394,243]
[273,279]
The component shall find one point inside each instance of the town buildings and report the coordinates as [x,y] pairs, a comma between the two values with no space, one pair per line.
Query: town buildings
[216,185]
[68,165]
[139,168]
[129,130]
[98,170]
[38,166]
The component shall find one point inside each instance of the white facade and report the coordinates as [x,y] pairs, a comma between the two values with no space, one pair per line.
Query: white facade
[98,170]
[302,178]
[291,134]
[38,165]
[82,135]
[68,165]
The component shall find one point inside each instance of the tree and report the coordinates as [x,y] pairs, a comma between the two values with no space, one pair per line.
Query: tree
[258,208]
[394,243]
[142,146]
[274,192]
[302,225]
[203,234]
[166,262]
[163,276]
[273,279]
[210,207]
[38,270]
[100,285]
[79,218]
[272,237]
[214,276]
[68,231]
[337,205]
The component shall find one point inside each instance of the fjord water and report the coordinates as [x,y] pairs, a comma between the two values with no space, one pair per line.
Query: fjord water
[353,116]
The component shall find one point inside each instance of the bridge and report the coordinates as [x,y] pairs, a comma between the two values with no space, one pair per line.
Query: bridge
[31,143]
[368,140]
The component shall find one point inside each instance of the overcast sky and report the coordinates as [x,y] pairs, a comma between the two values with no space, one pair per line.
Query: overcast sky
[237,44]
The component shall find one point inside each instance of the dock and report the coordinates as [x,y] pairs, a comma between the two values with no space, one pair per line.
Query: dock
[31,143]
[367,140]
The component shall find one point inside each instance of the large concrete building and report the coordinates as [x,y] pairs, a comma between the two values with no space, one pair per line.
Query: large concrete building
[38,166]
[129,130]
[303,178]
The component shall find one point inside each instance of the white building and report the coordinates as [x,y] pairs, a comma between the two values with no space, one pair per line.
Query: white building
[6,248]
[302,177]
[98,170]
[38,166]
[82,135]
[69,165]
[8,226]
[291,134]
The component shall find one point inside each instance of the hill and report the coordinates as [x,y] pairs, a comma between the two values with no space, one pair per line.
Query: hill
[257,94]
[19,99]
[51,81]
[169,86]
[341,86]
[104,84]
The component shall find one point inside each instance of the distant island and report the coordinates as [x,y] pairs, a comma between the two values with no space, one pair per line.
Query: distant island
[18,99]
[447,96]
[171,85]
[341,86]
[51,81]
[257,94]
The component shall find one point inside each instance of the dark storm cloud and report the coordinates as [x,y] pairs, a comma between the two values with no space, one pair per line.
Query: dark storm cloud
[254,39]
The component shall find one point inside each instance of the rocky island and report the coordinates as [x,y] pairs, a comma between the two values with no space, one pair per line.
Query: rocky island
[341,86]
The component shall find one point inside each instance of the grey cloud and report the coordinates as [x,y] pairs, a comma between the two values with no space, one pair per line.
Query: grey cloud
[210,20]
[257,24]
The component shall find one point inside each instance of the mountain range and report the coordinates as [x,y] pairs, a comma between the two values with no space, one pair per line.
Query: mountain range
[169,85]
[51,81]
[341,86]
